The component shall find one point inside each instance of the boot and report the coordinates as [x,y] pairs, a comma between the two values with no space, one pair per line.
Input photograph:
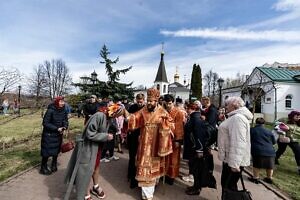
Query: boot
[169,180]
[44,168]
[54,164]
[133,183]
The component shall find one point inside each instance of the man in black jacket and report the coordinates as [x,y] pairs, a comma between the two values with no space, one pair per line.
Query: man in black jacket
[196,143]
[133,141]
[90,107]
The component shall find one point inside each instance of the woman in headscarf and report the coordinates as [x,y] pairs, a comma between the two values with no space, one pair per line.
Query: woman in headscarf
[84,164]
[293,135]
[55,122]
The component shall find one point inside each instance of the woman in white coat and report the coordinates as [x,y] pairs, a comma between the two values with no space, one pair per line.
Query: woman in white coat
[234,141]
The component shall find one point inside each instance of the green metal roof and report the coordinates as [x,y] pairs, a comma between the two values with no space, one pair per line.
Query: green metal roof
[280,74]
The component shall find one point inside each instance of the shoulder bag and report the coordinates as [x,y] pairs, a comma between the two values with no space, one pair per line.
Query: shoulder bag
[243,194]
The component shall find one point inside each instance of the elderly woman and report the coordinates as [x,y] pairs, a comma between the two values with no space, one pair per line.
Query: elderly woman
[262,150]
[293,133]
[234,141]
[55,122]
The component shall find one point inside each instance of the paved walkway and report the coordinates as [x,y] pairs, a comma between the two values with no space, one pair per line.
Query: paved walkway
[30,185]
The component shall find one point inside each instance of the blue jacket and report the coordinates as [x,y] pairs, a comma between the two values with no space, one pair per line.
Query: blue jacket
[195,136]
[262,141]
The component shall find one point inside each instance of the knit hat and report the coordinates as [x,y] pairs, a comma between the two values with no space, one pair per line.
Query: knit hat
[292,114]
[115,110]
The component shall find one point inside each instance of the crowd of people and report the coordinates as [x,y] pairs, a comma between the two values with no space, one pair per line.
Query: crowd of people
[155,129]
[6,106]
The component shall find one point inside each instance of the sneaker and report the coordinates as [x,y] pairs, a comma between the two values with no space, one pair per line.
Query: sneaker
[188,178]
[114,158]
[88,197]
[105,160]
[98,192]
[268,180]
[253,180]
[193,192]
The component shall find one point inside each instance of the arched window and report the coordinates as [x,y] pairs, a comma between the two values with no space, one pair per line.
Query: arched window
[158,87]
[288,101]
[165,88]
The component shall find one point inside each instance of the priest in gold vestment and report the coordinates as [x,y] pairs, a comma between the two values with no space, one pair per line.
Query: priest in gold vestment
[173,160]
[155,142]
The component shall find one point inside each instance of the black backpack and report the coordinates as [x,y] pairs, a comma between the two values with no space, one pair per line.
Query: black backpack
[211,132]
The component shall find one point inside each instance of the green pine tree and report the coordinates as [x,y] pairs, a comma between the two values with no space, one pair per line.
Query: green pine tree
[114,89]
[196,83]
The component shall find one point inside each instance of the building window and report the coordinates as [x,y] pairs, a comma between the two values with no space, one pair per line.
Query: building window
[288,101]
[165,88]
[268,100]
[158,87]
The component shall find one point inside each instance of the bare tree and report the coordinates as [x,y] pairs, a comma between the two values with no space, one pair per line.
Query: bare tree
[214,83]
[38,82]
[237,81]
[57,78]
[8,79]
[208,77]
[255,89]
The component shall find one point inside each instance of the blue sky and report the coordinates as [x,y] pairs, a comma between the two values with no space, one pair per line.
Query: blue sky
[225,36]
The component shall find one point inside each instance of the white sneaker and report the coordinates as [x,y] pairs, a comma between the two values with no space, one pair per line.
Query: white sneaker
[114,158]
[105,160]
[188,178]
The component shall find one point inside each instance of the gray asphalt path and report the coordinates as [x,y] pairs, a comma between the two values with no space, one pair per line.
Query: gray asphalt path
[30,185]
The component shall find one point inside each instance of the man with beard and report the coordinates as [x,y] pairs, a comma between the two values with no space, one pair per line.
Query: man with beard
[133,141]
[173,160]
[155,142]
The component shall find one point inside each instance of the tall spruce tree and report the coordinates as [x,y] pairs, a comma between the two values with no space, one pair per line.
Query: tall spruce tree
[112,89]
[196,82]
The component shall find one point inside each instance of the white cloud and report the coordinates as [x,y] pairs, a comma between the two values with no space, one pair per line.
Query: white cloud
[291,9]
[236,34]
[285,5]
[225,63]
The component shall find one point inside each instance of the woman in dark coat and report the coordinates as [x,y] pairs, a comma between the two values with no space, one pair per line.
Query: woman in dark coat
[54,123]
[262,151]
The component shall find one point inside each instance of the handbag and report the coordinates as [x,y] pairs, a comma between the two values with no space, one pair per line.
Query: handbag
[284,139]
[243,194]
[67,146]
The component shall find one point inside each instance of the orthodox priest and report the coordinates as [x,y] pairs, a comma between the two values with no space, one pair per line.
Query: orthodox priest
[155,142]
[173,160]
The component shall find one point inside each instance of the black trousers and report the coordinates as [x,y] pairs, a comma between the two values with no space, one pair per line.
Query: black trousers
[293,145]
[108,146]
[132,142]
[203,176]
[229,179]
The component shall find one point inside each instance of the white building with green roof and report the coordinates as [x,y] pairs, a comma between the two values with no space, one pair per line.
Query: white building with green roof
[272,91]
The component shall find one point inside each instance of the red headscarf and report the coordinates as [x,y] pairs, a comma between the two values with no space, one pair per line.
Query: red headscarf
[56,101]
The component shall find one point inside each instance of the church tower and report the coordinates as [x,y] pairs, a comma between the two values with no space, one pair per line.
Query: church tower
[161,80]
[176,76]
